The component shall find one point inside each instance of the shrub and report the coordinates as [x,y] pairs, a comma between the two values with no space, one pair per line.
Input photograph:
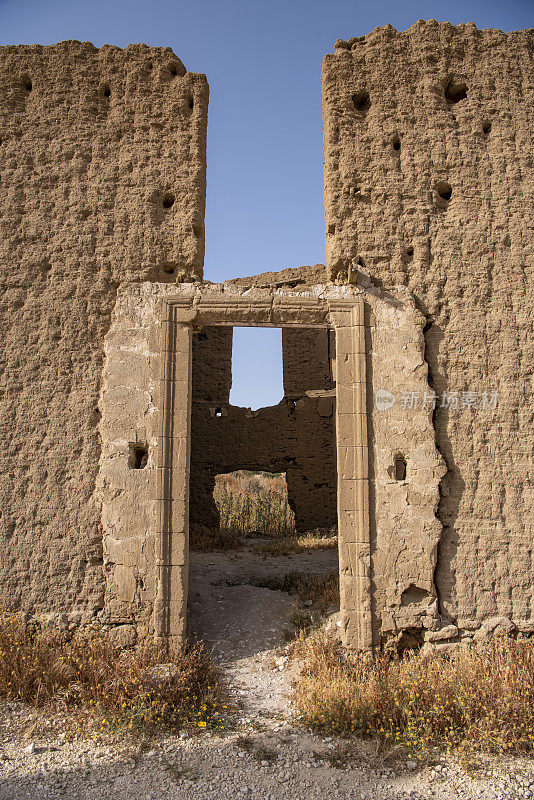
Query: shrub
[476,697]
[138,687]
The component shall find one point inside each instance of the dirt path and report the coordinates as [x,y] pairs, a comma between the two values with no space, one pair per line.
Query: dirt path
[246,625]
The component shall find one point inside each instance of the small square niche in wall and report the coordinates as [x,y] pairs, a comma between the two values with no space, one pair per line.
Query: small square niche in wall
[137,455]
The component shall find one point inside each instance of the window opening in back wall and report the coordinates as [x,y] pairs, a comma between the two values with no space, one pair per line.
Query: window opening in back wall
[256,367]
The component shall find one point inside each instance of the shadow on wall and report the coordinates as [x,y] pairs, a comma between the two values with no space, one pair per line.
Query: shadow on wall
[452,485]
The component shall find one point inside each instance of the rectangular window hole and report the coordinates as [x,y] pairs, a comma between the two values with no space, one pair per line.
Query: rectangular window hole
[137,456]
[256,367]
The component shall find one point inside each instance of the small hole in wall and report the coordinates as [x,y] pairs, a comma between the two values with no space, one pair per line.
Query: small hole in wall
[27,84]
[168,200]
[169,271]
[190,102]
[409,252]
[454,92]
[137,456]
[486,128]
[444,190]
[413,595]
[218,412]
[361,100]
[396,144]
[173,69]
[106,91]
[399,468]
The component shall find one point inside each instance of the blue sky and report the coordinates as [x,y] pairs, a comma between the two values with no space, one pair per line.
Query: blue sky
[265,156]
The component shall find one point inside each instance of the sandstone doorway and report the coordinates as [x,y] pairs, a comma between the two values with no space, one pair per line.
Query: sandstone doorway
[189,444]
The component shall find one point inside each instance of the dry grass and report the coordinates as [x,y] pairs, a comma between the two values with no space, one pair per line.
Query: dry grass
[205,540]
[253,504]
[479,697]
[313,587]
[137,688]
[302,544]
[256,504]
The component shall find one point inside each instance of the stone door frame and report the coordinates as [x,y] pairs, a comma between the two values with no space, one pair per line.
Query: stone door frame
[179,316]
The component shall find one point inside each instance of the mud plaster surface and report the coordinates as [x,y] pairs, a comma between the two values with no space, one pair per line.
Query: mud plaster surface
[468,262]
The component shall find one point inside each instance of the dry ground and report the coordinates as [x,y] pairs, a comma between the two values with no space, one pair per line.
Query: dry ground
[266,754]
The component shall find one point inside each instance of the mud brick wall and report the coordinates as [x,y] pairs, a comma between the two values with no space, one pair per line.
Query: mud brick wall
[102,181]
[429,184]
[308,355]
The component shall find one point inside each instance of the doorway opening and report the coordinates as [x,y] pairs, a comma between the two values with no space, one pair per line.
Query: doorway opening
[254,505]
[263,558]
[296,437]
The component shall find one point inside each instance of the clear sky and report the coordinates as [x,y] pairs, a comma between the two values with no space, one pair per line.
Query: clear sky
[265,156]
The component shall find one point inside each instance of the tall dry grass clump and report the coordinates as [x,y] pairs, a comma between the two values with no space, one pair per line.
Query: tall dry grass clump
[140,687]
[254,503]
[477,697]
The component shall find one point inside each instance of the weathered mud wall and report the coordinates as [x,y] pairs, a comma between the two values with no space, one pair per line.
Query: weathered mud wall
[297,436]
[102,170]
[308,367]
[429,184]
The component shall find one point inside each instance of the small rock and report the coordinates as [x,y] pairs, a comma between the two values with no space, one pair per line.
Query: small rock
[123,636]
[494,625]
[448,632]
[30,748]
[411,765]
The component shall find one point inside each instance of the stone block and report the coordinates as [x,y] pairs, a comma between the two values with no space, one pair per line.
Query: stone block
[353,495]
[124,583]
[123,636]
[353,463]
[448,632]
[172,549]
